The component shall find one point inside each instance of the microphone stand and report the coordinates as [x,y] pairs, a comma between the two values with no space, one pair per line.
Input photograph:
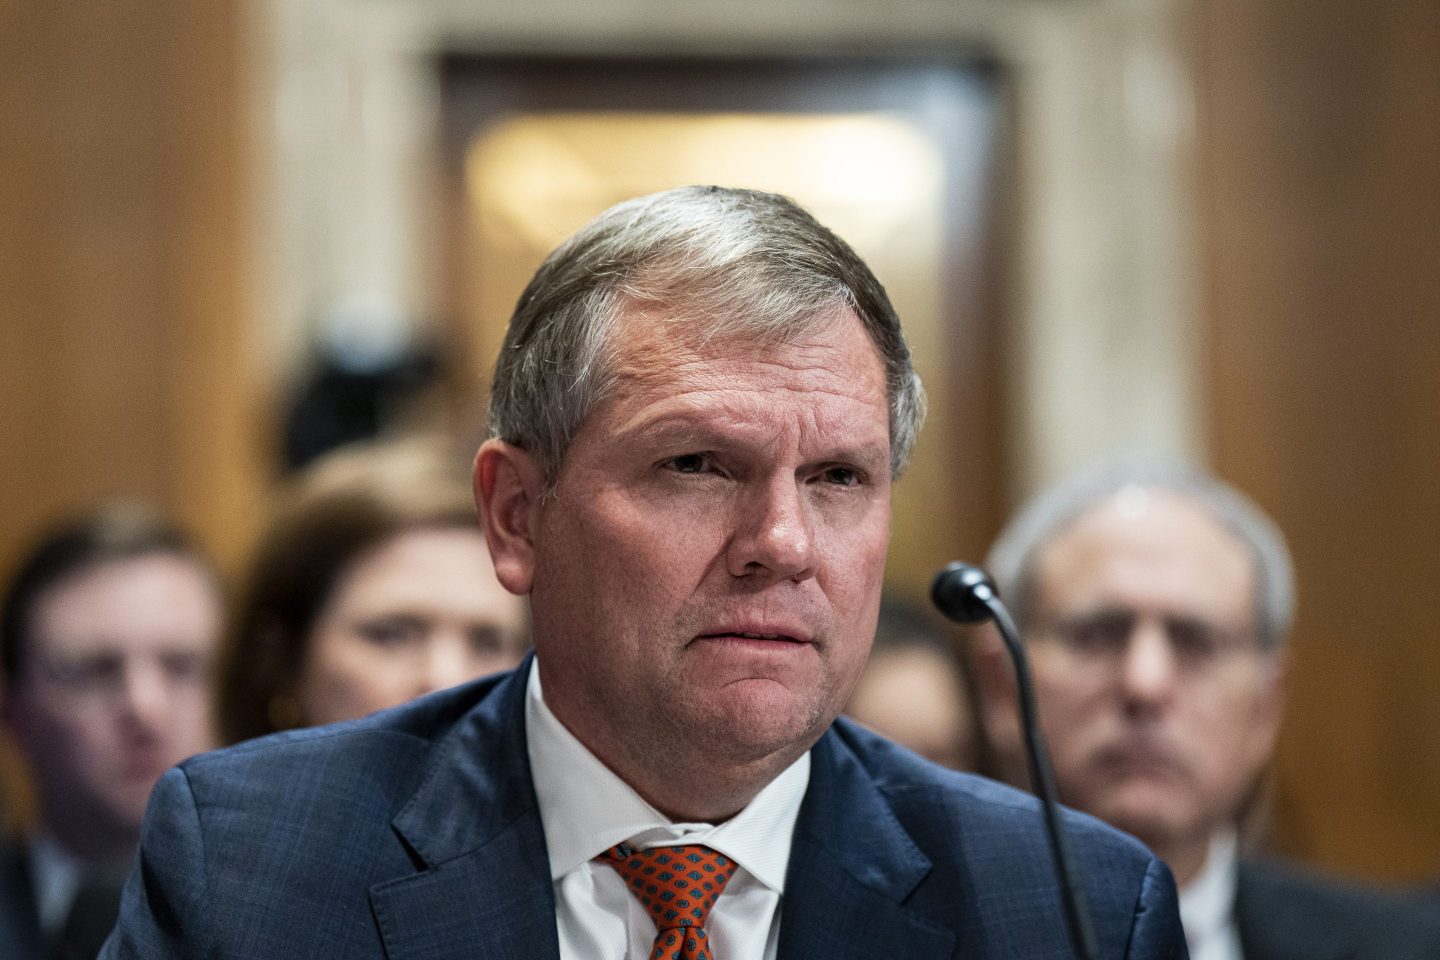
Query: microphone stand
[965,594]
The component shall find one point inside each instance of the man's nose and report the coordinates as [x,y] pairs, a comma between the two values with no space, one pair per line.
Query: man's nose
[146,696]
[1149,668]
[774,534]
[448,661]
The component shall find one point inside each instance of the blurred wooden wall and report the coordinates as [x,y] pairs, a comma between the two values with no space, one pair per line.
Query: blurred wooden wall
[1319,177]
[123,339]
[122,178]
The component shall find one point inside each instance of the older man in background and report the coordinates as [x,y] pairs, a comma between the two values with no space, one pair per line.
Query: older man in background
[1156,602]
[110,626]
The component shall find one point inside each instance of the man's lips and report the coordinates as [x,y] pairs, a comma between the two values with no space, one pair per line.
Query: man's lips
[758,635]
[1141,758]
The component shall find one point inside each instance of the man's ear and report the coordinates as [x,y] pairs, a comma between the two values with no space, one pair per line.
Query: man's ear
[508,488]
[1270,708]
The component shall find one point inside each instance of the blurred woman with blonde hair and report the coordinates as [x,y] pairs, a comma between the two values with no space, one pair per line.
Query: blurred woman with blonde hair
[371,585]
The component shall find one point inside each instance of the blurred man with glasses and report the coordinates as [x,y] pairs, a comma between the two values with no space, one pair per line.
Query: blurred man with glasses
[108,628]
[1156,602]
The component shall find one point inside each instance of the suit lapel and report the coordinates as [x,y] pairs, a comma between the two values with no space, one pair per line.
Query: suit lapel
[852,866]
[484,890]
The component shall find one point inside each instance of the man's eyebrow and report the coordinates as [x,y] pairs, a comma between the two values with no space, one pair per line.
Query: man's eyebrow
[869,454]
[675,429]
[679,432]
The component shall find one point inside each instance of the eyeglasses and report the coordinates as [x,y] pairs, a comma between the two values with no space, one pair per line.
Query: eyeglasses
[1198,645]
[103,674]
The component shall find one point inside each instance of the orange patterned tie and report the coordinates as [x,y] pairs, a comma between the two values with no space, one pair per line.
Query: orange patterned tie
[678,885]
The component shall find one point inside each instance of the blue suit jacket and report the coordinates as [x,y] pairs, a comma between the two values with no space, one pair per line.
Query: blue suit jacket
[414,835]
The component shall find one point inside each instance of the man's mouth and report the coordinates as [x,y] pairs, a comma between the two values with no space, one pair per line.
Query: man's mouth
[759,638]
[1141,759]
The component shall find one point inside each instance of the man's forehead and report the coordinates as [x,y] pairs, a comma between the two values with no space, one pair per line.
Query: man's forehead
[148,594]
[660,361]
[1148,515]
[640,332]
[1148,540]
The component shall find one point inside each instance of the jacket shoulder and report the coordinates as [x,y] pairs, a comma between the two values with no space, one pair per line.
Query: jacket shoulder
[382,747]
[269,847]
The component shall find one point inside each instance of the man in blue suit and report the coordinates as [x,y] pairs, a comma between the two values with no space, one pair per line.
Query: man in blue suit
[699,408]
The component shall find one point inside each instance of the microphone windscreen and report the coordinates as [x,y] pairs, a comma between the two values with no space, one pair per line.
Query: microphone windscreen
[954,592]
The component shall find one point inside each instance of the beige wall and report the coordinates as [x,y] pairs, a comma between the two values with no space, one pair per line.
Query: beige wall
[1320,194]
[124,370]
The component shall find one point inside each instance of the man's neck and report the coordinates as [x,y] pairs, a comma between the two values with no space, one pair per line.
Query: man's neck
[1207,901]
[698,785]
[1186,859]
[727,787]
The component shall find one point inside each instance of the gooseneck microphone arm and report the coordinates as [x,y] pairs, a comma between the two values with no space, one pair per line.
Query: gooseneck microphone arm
[965,594]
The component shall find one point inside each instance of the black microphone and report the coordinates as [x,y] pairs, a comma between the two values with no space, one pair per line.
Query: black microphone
[966,594]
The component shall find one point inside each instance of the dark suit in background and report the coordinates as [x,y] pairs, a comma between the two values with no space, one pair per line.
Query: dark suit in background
[89,919]
[415,834]
[1286,914]
[19,916]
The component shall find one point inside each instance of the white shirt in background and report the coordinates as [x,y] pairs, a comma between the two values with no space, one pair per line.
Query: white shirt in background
[55,877]
[1207,904]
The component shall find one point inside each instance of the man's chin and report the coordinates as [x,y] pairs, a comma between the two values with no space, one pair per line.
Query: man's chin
[1155,813]
[758,719]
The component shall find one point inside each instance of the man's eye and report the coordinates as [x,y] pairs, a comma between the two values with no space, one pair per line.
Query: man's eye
[1100,634]
[186,666]
[842,476]
[689,463]
[90,672]
[486,641]
[1195,640]
[389,632]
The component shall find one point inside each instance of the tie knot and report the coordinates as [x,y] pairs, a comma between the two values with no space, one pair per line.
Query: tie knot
[678,885]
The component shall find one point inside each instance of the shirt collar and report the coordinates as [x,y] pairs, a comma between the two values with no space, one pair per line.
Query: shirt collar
[1207,903]
[586,809]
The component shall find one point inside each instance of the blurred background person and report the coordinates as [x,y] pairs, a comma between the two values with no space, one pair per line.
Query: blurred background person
[916,690]
[107,642]
[1156,603]
[372,585]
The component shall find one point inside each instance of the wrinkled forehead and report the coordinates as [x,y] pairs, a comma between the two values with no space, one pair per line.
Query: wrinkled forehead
[646,340]
[704,313]
[1148,546]
[825,383]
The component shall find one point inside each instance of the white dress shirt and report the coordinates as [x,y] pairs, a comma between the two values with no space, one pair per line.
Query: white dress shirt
[1207,904]
[586,809]
[55,876]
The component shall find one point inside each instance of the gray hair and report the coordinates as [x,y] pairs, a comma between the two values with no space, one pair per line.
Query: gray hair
[729,262]
[1014,556]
